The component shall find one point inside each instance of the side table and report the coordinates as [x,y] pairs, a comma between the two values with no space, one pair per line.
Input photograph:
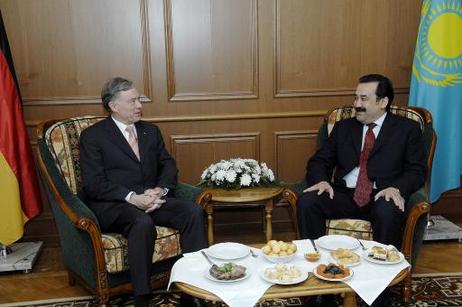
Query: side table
[253,195]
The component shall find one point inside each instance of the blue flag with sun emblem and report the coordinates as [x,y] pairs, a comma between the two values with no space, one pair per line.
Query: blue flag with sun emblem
[437,86]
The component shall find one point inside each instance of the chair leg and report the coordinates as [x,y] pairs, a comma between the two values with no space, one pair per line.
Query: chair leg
[407,289]
[70,279]
[102,300]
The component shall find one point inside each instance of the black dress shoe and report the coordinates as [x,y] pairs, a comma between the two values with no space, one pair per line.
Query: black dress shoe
[187,300]
[328,300]
[142,300]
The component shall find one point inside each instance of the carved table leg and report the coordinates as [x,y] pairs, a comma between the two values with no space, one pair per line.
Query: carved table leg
[209,211]
[349,300]
[269,227]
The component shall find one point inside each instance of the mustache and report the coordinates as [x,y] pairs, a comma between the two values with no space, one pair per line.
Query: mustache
[360,109]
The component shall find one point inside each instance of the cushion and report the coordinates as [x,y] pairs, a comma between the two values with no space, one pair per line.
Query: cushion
[351,227]
[62,139]
[115,245]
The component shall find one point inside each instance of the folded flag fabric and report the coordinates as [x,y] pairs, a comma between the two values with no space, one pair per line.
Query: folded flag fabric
[19,188]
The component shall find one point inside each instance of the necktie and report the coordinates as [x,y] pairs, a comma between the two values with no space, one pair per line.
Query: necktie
[133,140]
[363,189]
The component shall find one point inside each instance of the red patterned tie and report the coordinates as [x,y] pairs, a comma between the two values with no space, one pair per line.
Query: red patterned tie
[133,140]
[364,185]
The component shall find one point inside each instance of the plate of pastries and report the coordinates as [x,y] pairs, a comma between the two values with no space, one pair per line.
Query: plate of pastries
[283,274]
[345,257]
[333,272]
[383,255]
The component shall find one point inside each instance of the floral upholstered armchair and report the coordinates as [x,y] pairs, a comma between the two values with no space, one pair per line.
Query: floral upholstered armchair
[417,205]
[97,260]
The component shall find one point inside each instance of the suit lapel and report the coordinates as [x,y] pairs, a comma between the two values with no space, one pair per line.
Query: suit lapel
[357,136]
[143,139]
[117,138]
[384,133]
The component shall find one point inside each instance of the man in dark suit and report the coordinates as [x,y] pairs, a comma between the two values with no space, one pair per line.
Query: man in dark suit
[129,179]
[378,162]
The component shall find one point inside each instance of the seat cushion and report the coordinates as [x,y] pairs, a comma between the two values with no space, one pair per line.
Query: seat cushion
[115,245]
[351,227]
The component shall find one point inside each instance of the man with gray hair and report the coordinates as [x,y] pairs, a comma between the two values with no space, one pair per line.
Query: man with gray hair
[129,180]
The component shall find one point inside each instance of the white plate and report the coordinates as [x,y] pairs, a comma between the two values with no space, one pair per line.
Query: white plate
[207,274]
[347,265]
[294,281]
[365,256]
[228,251]
[332,242]
[333,279]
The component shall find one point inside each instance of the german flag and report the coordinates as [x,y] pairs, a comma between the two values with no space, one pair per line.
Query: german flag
[19,190]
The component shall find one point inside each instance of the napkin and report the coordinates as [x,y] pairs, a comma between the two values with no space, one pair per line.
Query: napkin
[369,279]
[193,267]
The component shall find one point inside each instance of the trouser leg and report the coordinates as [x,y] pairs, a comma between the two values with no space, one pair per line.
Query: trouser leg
[313,210]
[387,222]
[188,218]
[139,229]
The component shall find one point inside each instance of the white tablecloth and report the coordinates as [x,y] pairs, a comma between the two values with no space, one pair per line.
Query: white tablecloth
[368,281]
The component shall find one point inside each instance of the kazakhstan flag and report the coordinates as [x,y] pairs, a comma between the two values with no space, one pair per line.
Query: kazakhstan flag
[437,86]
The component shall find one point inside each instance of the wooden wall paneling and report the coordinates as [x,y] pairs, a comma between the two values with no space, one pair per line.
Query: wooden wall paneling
[292,149]
[196,152]
[211,49]
[64,50]
[322,47]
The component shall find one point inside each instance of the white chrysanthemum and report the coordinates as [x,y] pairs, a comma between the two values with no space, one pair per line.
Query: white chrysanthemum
[204,173]
[213,168]
[221,175]
[256,178]
[239,163]
[246,180]
[230,176]
[226,165]
[270,175]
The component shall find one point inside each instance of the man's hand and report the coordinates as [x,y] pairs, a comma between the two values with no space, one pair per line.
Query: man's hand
[141,201]
[156,204]
[156,192]
[145,202]
[321,187]
[394,194]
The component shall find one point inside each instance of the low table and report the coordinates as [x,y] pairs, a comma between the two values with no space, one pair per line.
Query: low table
[311,286]
[244,198]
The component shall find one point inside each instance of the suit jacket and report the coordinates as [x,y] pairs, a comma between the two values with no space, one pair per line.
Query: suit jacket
[110,169]
[396,160]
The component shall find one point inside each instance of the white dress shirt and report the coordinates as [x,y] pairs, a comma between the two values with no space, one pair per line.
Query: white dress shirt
[352,177]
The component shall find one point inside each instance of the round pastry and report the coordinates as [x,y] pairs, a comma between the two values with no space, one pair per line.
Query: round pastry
[345,256]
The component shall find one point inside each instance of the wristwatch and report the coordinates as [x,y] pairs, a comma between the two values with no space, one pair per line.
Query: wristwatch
[165,191]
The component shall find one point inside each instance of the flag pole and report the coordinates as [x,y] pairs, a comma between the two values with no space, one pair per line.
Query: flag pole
[4,251]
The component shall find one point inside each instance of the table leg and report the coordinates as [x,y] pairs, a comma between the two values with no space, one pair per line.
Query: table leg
[209,211]
[349,300]
[269,227]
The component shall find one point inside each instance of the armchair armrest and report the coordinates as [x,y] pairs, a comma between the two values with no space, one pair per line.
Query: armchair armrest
[187,192]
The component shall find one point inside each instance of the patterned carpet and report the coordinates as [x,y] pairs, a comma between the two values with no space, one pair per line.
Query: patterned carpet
[428,291]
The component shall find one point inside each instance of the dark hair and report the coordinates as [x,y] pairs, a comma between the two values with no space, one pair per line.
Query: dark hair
[112,88]
[384,87]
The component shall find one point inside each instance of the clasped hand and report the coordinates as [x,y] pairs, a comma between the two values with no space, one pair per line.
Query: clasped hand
[149,201]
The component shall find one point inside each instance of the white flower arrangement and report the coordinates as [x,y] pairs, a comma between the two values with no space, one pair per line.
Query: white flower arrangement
[237,173]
